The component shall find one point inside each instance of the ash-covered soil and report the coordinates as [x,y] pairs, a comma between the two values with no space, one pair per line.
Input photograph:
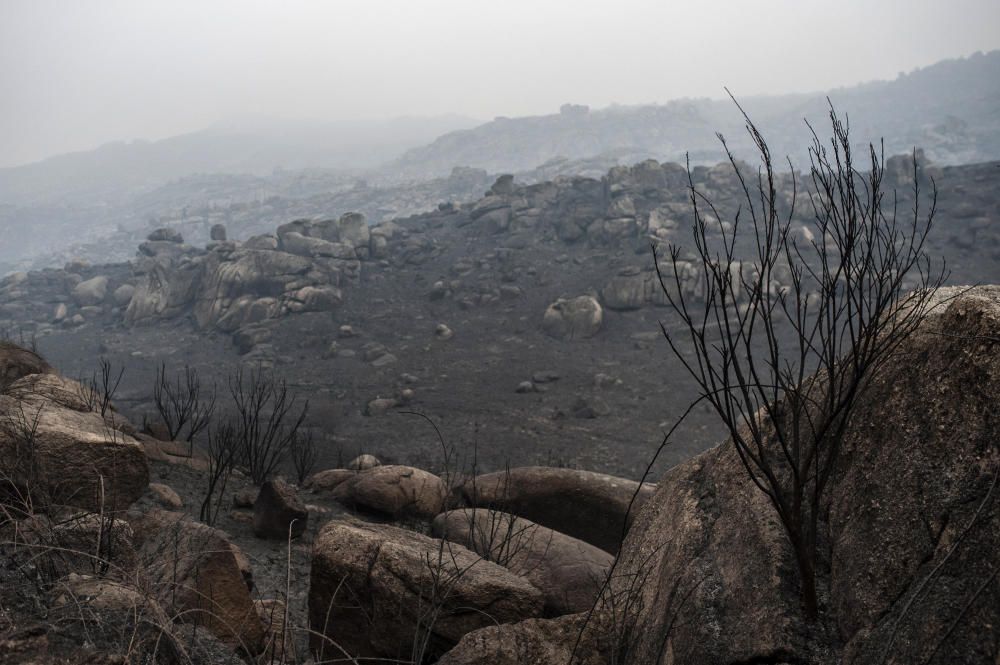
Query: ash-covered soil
[467,384]
[600,403]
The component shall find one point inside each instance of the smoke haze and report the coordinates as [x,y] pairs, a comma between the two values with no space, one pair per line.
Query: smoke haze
[79,74]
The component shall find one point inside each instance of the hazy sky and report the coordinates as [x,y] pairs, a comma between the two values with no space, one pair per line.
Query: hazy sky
[78,73]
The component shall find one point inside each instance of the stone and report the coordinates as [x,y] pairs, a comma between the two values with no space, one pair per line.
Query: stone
[17,362]
[172,452]
[278,512]
[504,185]
[91,292]
[247,338]
[195,576]
[603,381]
[122,296]
[265,242]
[166,235]
[439,290]
[545,376]
[568,572]
[510,292]
[245,498]
[165,252]
[525,387]
[243,563]
[85,542]
[384,360]
[534,641]
[378,247]
[353,230]
[272,613]
[393,490]
[573,318]
[318,298]
[370,584]
[589,407]
[585,505]
[60,314]
[324,481]
[443,332]
[300,245]
[79,458]
[625,292]
[363,463]
[112,610]
[380,405]
[166,496]
[496,221]
[228,289]
[218,233]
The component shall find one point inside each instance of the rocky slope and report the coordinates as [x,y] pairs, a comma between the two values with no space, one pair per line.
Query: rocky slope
[516,320]
[909,547]
[48,234]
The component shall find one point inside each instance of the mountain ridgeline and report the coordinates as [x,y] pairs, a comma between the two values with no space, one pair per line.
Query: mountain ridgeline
[951,109]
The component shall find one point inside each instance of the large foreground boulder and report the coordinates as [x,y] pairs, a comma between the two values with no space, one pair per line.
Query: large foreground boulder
[569,572]
[248,274]
[56,447]
[196,577]
[911,542]
[592,507]
[376,590]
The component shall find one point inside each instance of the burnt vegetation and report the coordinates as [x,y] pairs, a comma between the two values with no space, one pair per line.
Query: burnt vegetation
[784,363]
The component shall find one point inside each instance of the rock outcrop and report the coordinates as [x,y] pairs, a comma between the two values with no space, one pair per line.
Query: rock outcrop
[910,541]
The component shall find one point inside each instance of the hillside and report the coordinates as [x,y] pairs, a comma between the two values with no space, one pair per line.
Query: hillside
[113,173]
[525,326]
[486,270]
[83,202]
[951,109]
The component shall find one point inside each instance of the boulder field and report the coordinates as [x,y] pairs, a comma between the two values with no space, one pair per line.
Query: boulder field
[910,547]
[526,565]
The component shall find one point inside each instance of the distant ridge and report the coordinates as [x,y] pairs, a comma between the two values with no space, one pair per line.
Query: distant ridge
[951,109]
[117,170]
